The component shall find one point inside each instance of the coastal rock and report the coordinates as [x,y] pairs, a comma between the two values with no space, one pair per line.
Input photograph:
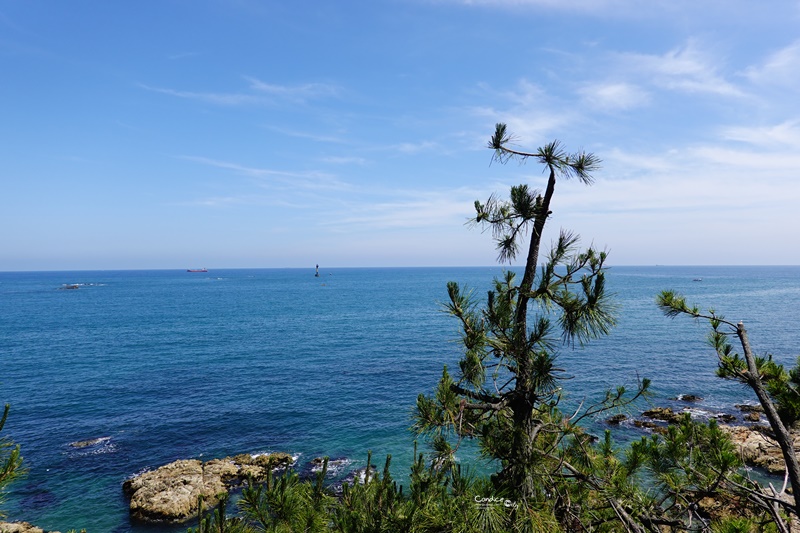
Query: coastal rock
[663,413]
[652,426]
[757,448]
[21,527]
[89,442]
[749,408]
[752,417]
[170,493]
[271,461]
[616,419]
[688,398]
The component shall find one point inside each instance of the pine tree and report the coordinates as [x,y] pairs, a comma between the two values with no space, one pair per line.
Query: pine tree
[508,386]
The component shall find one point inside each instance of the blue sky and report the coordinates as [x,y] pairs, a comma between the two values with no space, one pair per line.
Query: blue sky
[244,133]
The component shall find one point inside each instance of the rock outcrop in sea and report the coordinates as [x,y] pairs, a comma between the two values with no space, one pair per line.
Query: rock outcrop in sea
[170,493]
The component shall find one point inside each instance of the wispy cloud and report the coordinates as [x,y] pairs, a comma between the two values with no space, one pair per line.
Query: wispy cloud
[308,180]
[685,69]
[720,180]
[300,92]
[665,12]
[344,160]
[415,148]
[310,136]
[780,68]
[779,136]
[528,110]
[704,175]
[614,96]
[225,99]
[260,92]
[218,201]
[407,209]
[758,163]
[585,6]
[343,208]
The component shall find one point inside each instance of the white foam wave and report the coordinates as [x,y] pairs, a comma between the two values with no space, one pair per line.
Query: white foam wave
[335,466]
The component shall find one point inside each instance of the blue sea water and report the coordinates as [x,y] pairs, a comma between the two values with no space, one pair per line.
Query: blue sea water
[162,365]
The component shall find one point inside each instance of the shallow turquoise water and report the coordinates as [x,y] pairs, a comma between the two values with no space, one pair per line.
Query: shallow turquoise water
[170,364]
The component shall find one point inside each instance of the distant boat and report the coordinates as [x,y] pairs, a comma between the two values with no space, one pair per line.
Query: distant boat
[697,279]
[197,270]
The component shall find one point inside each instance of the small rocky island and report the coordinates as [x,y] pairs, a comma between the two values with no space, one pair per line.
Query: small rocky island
[170,493]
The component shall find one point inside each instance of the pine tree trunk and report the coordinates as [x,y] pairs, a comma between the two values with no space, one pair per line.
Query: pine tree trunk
[782,435]
[523,405]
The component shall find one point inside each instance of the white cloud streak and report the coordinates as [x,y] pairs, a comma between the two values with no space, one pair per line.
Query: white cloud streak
[780,136]
[684,69]
[780,68]
[260,93]
[224,99]
[528,110]
[419,209]
[300,93]
[612,97]
[307,180]
[344,160]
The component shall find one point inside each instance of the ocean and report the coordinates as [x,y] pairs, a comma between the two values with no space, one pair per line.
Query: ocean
[164,365]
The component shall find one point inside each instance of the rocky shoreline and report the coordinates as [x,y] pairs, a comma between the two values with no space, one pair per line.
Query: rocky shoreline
[171,493]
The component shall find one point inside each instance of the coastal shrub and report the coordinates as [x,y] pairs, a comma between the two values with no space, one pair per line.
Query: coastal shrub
[10,460]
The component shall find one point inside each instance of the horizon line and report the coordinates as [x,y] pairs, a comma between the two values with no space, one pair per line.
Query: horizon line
[312,267]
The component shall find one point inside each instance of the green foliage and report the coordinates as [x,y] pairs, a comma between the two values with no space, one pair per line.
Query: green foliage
[784,387]
[372,506]
[10,460]
[578,165]
[690,462]
[437,501]
[284,504]
[657,484]
[216,520]
[737,525]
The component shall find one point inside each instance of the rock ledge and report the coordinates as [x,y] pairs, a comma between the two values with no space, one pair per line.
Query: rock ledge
[21,527]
